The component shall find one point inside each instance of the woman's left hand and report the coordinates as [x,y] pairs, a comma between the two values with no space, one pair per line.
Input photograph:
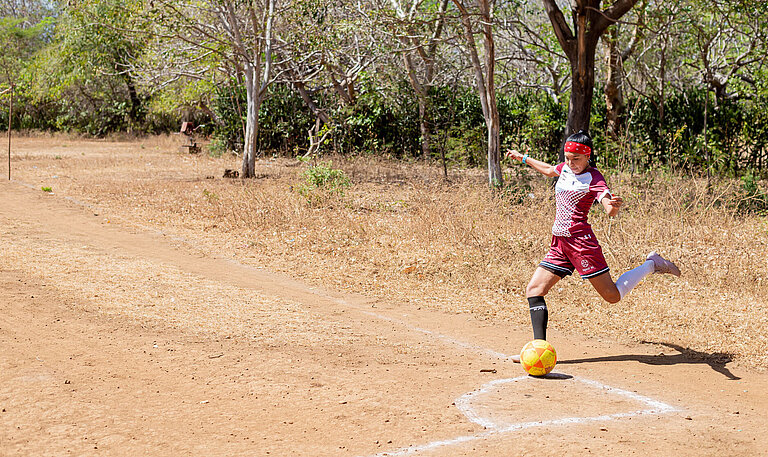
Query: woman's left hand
[616,201]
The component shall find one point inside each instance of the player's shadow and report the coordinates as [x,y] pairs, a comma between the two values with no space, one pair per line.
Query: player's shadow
[717,361]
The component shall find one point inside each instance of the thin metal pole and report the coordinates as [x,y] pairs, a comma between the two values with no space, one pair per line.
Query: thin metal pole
[10,117]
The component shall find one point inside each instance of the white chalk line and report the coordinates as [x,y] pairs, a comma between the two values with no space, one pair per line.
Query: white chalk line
[439,336]
[464,402]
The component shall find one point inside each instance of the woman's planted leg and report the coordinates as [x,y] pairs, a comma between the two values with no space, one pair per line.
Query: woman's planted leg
[539,285]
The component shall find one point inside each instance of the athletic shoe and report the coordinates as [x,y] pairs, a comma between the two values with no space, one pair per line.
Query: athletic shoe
[662,265]
[515,358]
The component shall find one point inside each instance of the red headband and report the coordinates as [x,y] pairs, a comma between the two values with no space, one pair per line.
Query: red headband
[578,148]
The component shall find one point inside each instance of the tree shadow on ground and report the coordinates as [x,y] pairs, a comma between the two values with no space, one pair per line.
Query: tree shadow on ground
[717,361]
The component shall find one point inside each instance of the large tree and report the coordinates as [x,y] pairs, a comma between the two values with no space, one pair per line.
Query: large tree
[92,45]
[529,54]
[23,27]
[579,42]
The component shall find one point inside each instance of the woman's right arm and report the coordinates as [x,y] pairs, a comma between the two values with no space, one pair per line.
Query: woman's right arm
[542,167]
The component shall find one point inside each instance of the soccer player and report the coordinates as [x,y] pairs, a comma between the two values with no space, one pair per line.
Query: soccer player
[574,245]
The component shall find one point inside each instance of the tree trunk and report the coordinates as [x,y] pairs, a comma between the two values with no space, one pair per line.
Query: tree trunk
[484,79]
[614,96]
[135,112]
[421,98]
[426,135]
[662,83]
[253,100]
[10,124]
[579,44]
[582,91]
[495,177]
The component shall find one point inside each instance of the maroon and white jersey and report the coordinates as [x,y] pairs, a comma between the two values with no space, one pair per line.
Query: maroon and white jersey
[574,195]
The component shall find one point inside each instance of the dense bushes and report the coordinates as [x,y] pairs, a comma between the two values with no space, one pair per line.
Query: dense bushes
[735,138]
[377,123]
[386,125]
[385,121]
[97,111]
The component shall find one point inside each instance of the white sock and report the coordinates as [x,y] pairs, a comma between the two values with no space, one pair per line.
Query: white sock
[631,278]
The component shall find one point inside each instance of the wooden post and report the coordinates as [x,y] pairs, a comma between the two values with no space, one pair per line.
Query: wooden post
[10,116]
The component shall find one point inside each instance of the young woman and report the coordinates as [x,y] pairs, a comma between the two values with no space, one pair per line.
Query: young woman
[574,245]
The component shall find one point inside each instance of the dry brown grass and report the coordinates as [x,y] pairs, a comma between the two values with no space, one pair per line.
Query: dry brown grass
[403,234]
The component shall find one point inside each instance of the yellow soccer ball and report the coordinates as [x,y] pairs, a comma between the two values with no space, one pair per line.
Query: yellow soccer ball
[538,358]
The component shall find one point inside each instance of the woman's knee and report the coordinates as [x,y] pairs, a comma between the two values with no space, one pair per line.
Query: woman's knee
[612,296]
[536,290]
[540,283]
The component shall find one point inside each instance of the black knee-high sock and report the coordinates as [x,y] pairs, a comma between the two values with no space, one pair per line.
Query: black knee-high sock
[539,316]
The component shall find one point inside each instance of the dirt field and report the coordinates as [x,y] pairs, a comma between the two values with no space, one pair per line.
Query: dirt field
[127,330]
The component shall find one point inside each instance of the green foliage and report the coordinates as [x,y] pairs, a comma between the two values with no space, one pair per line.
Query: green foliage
[322,181]
[284,121]
[19,41]
[458,123]
[736,133]
[47,189]
[753,195]
[530,117]
[81,74]
[379,123]
[229,105]
[535,119]
[211,197]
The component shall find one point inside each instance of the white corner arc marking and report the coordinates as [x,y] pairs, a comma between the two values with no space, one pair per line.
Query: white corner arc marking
[464,405]
[655,407]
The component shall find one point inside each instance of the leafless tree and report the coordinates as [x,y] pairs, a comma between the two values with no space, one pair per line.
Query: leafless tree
[731,38]
[419,33]
[195,36]
[329,47]
[530,56]
[485,73]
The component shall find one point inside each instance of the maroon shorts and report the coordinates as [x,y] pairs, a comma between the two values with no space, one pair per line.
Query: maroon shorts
[580,252]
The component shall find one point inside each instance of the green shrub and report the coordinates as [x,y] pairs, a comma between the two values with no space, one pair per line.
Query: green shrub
[753,196]
[321,182]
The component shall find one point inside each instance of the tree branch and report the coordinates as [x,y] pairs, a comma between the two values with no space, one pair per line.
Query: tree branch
[562,30]
[611,16]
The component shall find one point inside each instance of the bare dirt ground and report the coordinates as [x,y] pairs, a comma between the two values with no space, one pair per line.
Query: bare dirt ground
[122,338]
